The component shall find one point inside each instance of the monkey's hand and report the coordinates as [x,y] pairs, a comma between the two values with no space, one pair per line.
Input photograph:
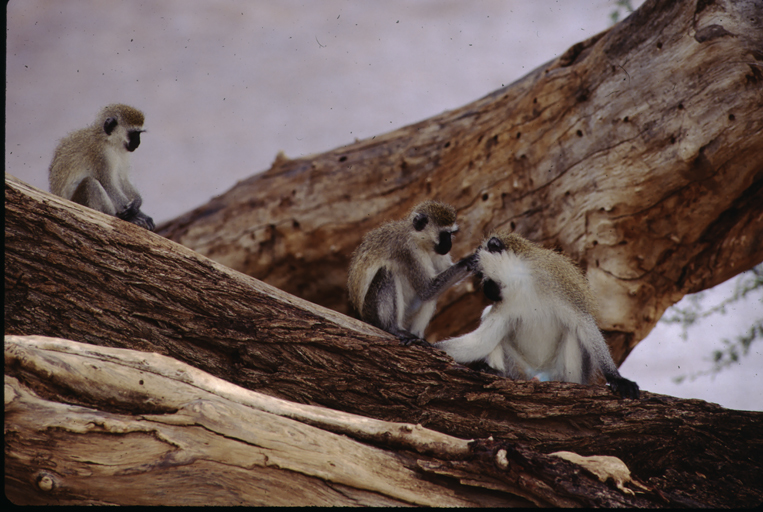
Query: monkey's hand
[471,262]
[624,387]
[132,214]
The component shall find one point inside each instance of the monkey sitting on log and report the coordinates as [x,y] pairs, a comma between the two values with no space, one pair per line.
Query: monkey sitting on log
[541,324]
[401,268]
[91,166]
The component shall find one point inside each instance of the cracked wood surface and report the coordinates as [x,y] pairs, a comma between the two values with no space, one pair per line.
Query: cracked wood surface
[637,153]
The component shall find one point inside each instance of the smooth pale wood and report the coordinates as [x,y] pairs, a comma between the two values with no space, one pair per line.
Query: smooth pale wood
[637,153]
[187,438]
[75,273]
[96,425]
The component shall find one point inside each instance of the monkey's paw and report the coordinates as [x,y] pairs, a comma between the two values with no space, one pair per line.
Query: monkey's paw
[407,341]
[131,210]
[482,367]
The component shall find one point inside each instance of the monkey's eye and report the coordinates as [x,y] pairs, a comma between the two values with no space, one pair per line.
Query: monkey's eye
[109,125]
[495,245]
[420,221]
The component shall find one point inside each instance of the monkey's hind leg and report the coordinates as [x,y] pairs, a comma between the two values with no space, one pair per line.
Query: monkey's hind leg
[91,193]
[380,308]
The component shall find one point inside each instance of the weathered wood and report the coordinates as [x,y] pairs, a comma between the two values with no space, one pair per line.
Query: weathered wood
[148,430]
[93,425]
[637,152]
[75,273]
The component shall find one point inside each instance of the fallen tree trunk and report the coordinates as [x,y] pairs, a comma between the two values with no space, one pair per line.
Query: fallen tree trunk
[637,152]
[75,273]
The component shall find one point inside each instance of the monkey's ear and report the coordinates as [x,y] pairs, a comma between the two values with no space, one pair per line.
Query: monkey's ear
[109,125]
[420,221]
[495,245]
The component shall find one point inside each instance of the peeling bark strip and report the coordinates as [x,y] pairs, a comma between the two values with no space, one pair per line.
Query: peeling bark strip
[637,152]
[75,273]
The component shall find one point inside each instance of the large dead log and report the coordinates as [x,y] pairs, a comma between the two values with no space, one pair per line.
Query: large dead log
[75,273]
[637,152]
[93,425]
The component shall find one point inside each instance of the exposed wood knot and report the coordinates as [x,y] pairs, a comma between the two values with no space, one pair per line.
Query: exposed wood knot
[46,481]
[711,32]
[501,459]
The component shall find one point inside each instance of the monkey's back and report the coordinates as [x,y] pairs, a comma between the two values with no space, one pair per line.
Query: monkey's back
[379,248]
[76,156]
[555,272]
[565,278]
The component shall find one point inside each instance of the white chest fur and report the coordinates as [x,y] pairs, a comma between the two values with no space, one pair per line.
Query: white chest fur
[535,319]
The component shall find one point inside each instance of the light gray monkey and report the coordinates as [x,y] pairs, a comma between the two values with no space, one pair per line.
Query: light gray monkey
[91,166]
[541,324]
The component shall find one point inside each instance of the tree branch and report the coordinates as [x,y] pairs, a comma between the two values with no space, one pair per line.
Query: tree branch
[637,152]
[75,273]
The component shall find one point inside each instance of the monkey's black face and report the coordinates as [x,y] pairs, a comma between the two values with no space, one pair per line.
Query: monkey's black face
[491,290]
[444,245]
[134,136]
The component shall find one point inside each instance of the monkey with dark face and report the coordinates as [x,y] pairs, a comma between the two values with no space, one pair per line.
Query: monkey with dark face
[91,166]
[401,268]
[541,324]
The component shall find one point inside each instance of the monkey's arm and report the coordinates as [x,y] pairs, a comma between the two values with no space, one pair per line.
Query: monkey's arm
[127,200]
[590,336]
[447,278]
[478,344]
[380,307]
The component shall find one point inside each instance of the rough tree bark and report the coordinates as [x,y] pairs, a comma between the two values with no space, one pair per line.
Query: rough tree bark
[637,152]
[75,273]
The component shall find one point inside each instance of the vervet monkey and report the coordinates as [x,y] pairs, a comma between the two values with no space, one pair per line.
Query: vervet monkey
[401,268]
[541,325]
[91,166]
